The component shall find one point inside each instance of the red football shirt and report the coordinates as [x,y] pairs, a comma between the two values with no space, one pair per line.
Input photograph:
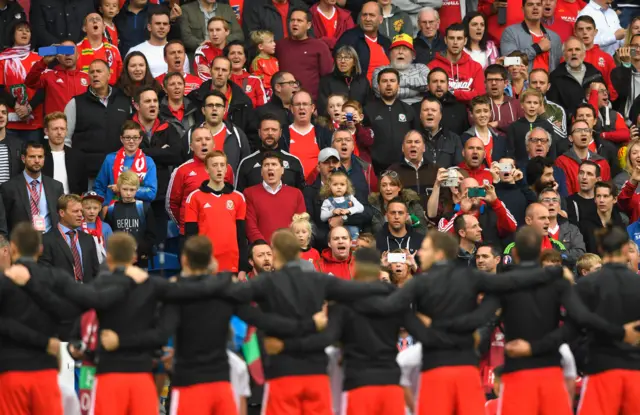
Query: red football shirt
[305,147]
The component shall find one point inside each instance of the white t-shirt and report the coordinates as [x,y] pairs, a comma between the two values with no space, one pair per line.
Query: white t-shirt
[60,169]
[239,376]
[155,57]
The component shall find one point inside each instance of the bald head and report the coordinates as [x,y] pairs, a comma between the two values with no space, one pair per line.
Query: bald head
[537,217]
[371,18]
[473,152]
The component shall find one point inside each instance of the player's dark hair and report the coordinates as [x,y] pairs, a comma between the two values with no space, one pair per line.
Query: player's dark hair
[214,93]
[31,144]
[495,251]
[388,70]
[198,250]
[459,224]
[611,239]
[456,27]
[285,244]
[271,155]
[444,242]
[26,239]
[495,69]
[141,91]
[613,190]
[122,247]
[536,166]
[367,264]
[592,163]
[528,242]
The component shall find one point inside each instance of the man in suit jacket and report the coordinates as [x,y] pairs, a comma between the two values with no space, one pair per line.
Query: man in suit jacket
[68,248]
[61,162]
[32,196]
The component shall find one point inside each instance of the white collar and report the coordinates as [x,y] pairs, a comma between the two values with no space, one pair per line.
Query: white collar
[269,189]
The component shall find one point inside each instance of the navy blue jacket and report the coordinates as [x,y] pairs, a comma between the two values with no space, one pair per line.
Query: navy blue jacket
[355,38]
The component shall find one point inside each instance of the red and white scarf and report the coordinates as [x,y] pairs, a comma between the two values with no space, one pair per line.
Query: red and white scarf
[98,238]
[14,55]
[139,165]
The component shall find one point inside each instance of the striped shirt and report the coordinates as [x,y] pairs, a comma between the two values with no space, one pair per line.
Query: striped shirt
[5,166]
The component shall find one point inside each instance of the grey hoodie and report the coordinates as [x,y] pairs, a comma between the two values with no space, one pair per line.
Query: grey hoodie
[396,23]
[413,7]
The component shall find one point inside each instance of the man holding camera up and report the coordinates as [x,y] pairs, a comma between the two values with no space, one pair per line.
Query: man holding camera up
[482,202]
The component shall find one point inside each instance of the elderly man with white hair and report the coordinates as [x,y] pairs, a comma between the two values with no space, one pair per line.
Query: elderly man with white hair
[413,76]
[429,41]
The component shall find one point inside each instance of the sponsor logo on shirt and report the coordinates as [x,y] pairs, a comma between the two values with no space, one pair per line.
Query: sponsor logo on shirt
[601,62]
[206,205]
[378,118]
[230,205]
[83,82]
[61,81]
[402,118]
[193,173]
[463,85]
[285,164]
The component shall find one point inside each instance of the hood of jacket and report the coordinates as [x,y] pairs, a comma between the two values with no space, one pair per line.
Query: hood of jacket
[571,153]
[227,189]
[327,256]
[472,131]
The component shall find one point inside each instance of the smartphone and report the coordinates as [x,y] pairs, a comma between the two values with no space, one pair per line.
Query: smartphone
[502,16]
[452,180]
[349,116]
[632,51]
[397,258]
[476,192]
[505,167]
[48,51]
[66,50]
[512,61]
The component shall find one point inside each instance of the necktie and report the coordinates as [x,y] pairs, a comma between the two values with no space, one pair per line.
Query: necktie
[77,265]
[34,198]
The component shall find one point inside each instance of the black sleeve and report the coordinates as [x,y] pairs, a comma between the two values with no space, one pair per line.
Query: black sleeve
[469,322]
[149,231]
[342,290]
[395,303]
[300,181]
[95,262]
[191,290]
[156,337]
[275,324]
[50,301]
[243,250]
[190,229]
[317,342]
[46,257]
[22,334]
[552,341]
[5,96]
[516,279]
[37,99]
[429,337]
[3,220]
[168,156]
[247,291]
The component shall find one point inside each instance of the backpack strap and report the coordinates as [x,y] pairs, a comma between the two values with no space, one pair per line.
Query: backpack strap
[141,208]
[110,209]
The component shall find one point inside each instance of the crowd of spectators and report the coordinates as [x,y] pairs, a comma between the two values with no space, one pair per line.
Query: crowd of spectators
[355,124]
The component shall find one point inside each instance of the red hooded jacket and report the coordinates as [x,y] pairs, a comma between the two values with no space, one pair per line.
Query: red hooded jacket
[605,64]
[629,201]
[482,174]
[344,22]
[59,85]
[466,77]
[344,269]
[569,162]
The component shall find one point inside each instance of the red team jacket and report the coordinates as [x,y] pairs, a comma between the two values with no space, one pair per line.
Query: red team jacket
[466,77]
[330,265]
[205,55]
[252,86]
[13,73]
[191,82]
[184,180]
[59,85]
[570,164]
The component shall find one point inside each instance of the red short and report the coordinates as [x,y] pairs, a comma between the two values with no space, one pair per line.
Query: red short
[293,395]
[30,393]
[451,390]
[373,400]
[124,394]
[611,393]
[214,398]
[534,392]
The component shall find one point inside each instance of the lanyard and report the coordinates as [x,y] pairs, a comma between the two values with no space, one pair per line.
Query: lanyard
[31,193]
[74,240]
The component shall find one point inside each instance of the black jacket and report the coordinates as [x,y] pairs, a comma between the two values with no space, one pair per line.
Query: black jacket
[53,21]
[75,165]
[621,78]
[12,14]
[129,311]
[385,242]
[443,148]
[240,111]
[420,181]
[516,197]
[97,130]
[132,28]
[17,204]
[566,91]
[203,359]
[519,129]
[448,294]
[166,158]
[296,294]
[425,51]
[263,15]
[355,87]
[313,202]
[250,170]
[14,145]
[355,38]
[389,123]
[188,120]
[57,253]
[590,225]
[454,114]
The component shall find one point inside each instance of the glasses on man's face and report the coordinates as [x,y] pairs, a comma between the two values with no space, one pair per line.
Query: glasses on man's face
[290,83]
[535,140]
[581,130]
[212,106]
[390,173]
[131,138]
[551,200]
[302,104]
[344,58]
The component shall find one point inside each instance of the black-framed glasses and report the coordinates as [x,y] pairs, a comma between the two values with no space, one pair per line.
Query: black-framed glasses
[290,83]
[581,130]
[536,140]
[131,138]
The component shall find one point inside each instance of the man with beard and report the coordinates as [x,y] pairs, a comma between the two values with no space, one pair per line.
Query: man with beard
[538,143]
[390,119]
[454,113]
[337,259]
[465,76]
[473,163]
[581,204]
[190,175]
[570,161]
[560,228]
[37,203]
[238,107]
[61,162]
[413,76]
[249,171]
[495,219]
[308,59]
[175,56]
[537,218]
[469,233]
[396,234]
[93,47]
[260,258]
[504,109]
[571,76]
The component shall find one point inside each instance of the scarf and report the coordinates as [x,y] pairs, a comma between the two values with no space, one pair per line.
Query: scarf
[139,165]
[98,238]
[14,55]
